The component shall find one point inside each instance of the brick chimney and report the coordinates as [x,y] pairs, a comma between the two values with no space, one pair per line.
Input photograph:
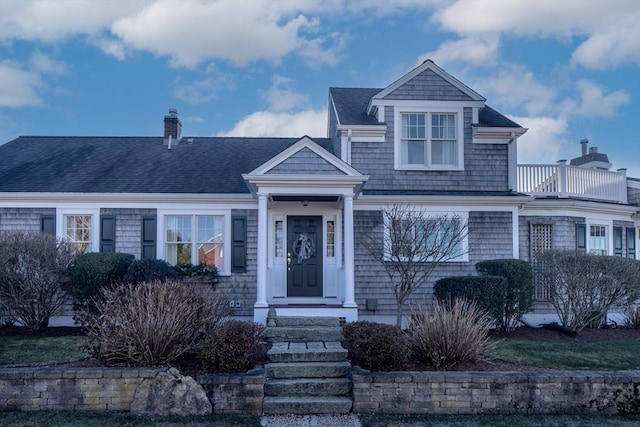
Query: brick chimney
[172,125]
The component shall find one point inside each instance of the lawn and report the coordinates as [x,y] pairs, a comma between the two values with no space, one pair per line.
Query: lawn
[499,420]
[26,351]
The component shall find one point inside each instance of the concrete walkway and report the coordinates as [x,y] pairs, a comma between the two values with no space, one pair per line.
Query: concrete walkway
[339,420]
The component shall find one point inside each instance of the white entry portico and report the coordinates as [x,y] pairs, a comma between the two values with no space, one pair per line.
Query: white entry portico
[305,187]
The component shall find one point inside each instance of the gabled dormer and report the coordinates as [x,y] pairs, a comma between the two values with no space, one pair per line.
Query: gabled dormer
[426,121]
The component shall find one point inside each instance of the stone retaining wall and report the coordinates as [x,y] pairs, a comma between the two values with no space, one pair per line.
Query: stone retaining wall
[544,392]
[235,393]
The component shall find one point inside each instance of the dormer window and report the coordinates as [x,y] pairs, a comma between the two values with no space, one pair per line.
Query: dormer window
[429,140]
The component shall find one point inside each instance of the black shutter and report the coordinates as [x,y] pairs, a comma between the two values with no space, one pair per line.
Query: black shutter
[48,224]
[238,244]
[631,243]
[617,241]
[581,237]
[107,233]
[149,237]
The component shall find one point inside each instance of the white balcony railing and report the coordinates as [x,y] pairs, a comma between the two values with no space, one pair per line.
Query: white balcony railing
[562,180]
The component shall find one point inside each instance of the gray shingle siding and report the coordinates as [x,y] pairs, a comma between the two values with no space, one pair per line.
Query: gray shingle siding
[489,238]
[128,228]
[633,196]
[486,165]
[306,162]
[23,219]
[429,86]
[563,232]
[242,286]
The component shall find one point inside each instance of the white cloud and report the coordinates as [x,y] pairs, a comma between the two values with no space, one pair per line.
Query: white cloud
[595,102]
[42,63]
[109,46]
[192,32]
[19,87]
[268,123]
[611,47]
[544,142]
[281,96]
[474,50]
[204,90]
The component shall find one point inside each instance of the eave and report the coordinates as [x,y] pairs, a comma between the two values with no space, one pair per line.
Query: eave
[495,135]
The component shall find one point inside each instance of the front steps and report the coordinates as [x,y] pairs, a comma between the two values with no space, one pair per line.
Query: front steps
[308,371]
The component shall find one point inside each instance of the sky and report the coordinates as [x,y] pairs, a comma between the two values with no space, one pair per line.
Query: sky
[566,70]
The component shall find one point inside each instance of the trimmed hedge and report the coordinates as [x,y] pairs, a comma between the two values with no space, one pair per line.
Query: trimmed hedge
[149,270]
[94,271]
[376,346]
[234,346]
[520,288]
[489,292]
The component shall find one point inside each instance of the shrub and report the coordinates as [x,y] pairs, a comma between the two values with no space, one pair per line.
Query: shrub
[151,324]
[149,270]
[199,270]
[519,294]
[445,334]
[584,287]
[376,346]
[234,346]
[95,271]
[632,315]
[33,277]
[489,292]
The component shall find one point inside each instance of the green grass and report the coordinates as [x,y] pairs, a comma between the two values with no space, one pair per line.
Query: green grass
[101,419]
[611,355]
[499,420]
[26,351]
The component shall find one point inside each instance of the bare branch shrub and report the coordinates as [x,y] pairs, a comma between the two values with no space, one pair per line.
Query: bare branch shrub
[33,270]
[631,312]
[234,346]
[415,242]
[445,334]
[153,323]
[583,288]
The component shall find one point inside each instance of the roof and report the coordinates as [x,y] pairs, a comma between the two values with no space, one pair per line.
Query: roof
[135,164]
[588,158]
[351,106]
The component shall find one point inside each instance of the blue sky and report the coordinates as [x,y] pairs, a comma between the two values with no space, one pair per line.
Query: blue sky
[567,70]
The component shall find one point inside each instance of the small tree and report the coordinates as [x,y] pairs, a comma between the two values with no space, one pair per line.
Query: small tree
[32,276]
[415,242]
[584,287]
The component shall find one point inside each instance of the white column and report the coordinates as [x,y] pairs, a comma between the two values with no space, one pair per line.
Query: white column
[349,281]
[261,297]
[515,219]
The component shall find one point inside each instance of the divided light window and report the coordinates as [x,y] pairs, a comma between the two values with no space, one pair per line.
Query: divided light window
[77,230]
[195,239]
[598,239]
[431,235]
[429,139]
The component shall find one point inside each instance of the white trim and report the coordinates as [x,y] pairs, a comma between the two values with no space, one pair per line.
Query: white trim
[61,213]
[193,212]
[515,233]
[418,108]
[116,199]
[608,224]
[481,203]
[496,135]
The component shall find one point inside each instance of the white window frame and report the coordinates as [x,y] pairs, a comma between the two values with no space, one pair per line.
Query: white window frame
[464,217]
[607,238]
[226,238]
[429,110]
[61,224]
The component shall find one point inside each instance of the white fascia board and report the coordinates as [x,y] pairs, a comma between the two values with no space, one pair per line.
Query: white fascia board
[320,181]
[427,65]
[499,203]
[427,104]
[373,133]
[569,207]
[496,135]
[105,199]
[632,183]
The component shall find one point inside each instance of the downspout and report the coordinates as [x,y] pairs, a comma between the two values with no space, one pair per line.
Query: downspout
[513,162]
[348,160]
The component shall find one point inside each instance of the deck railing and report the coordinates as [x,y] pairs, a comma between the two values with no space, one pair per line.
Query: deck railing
[564,181]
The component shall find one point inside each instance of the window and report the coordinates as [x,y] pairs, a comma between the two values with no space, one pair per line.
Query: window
[430,140]
[330,239]
[195,239]
[598,239]
[78,231]
[425,239]
[278,242]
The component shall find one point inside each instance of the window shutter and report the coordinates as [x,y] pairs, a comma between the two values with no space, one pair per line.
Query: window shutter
[631,243]
[107,233]
[149,237]
[48,224]
[238,244]
[617,241]
[581,237]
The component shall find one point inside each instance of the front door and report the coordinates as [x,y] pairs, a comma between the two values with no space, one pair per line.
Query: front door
[304,256]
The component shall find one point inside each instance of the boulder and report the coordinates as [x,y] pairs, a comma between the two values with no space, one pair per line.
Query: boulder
[170,393]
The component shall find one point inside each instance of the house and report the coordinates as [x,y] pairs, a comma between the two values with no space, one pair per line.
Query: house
[285,219]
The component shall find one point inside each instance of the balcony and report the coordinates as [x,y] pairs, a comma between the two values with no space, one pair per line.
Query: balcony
[564,181]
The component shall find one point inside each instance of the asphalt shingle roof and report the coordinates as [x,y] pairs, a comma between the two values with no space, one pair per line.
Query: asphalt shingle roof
[589,157]
[351,106]
[135,164]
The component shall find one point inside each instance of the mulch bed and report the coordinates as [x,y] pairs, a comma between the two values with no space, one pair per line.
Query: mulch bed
[191,366]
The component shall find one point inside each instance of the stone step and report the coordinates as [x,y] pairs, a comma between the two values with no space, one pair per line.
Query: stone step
[307,387]
[306,405]
[304,333]
[308,369]
[308,321]
[312,351]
